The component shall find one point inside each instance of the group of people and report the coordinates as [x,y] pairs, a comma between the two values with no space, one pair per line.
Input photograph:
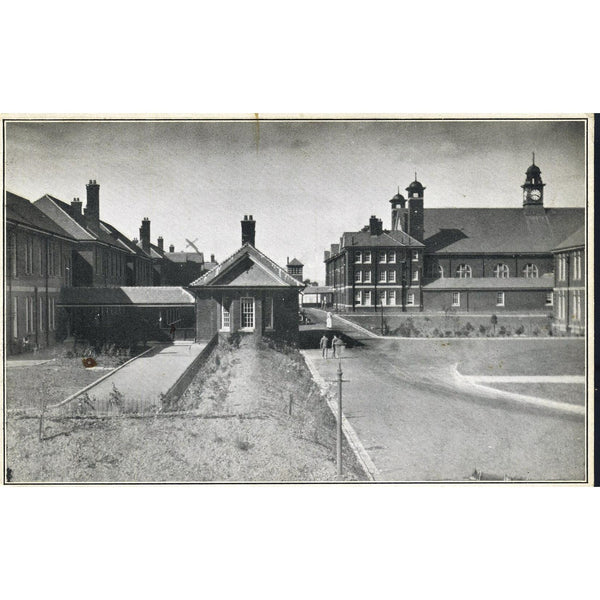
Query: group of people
[336,346]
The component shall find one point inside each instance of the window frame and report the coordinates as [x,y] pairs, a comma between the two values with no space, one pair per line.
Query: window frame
[500,299]
[464,271]
[455,298]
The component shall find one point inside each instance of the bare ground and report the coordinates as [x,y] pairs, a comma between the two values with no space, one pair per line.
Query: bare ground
[237,427]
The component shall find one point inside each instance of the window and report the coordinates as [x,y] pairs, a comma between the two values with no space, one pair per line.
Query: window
[499,298]
[382,276]
[41,313]
[358,257]
[367,277]
[29,323]
[463,271]
[28,255]
[501,271]
[225,315]
[392,276]
[549,299]
[381,297]
[268,311]
[577,265]
[368,256]
[530,271]
[392,256]
[382,257]
[455,298]
[12,255]
[410,299]
[51,314]
[247,307]
[415,255]
[15,317]
[561,267]
[415,274]
[357,297]
[391,298]
[358,276]
[367,298]
[577,306]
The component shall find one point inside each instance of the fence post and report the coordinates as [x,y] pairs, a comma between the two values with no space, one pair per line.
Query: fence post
[339,422]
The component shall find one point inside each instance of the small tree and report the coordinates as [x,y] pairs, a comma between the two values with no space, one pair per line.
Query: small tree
[494,322]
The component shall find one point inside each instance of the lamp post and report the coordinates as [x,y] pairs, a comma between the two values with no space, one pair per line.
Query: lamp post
[339,423]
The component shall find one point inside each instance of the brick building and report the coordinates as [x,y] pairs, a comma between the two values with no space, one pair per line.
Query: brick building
[462,259]
[247,293]
[569,283]
[39,264]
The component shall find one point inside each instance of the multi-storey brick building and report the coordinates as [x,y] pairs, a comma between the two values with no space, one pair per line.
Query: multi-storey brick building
[462,259]
[569,283]
[39,264]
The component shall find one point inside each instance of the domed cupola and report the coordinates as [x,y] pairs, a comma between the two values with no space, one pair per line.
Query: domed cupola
[415,189]
[533,188]
[398,201]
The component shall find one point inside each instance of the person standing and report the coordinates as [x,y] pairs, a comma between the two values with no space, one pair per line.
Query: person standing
[329,321]
[323,344]
[336,344]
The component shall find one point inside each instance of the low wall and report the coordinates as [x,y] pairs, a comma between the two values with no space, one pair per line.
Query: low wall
[177,389]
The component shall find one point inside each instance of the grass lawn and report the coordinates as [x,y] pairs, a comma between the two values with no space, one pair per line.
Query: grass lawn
[237,427]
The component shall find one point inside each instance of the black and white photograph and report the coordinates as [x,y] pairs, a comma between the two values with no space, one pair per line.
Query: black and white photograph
[297,299]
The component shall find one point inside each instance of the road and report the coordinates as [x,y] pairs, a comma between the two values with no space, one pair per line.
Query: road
[419,423]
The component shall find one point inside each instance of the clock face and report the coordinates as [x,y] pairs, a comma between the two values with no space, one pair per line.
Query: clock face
[535,194]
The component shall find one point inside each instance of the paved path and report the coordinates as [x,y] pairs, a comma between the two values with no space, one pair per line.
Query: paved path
[143,380]
[418,423]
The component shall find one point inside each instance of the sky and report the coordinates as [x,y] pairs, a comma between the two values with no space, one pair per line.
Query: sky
[304,182]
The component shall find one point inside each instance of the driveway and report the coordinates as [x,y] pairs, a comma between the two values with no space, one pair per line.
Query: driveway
[419,422]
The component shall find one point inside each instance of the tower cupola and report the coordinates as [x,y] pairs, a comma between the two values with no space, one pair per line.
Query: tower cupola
[416,214]
[399,212]
[533,188]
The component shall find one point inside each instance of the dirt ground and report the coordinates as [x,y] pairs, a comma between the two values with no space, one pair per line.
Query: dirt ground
[237,426]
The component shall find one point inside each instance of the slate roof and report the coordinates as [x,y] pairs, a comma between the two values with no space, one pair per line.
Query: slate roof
[20,210]
[295,263]
[575,240]
[498,230]
[126,296]
[491,283]
[319,289]
[385,239]
[247,267]
[183,257]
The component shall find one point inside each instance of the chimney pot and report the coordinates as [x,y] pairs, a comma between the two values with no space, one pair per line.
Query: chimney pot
[212,258]
[171,248]
[248,230]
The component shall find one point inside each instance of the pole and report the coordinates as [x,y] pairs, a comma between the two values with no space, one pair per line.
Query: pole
[339,422]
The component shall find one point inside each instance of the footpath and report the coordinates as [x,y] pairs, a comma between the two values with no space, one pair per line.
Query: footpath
[144,380]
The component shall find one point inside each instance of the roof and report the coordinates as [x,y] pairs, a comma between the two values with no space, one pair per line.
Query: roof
[318,289]
[416,186]
[295,263]
[184,257]
[22,211]
[247,267]
[533,170]
[125,296]
[491,283]
[575,240]
[498,230]
[385,239]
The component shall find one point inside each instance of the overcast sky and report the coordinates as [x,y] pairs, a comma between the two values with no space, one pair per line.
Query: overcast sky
[304,182]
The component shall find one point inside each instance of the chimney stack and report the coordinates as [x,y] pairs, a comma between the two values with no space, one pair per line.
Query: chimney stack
[92,208]
[375,225]
[145,235]
[161,243]
[212,258]
[171,248]
[76,210]
[248,230]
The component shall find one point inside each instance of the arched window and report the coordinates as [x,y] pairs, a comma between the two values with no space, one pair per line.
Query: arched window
[501,271]
[463,271]
[440,271]
[530,270]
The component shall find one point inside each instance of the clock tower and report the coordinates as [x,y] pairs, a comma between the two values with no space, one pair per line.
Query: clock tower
[533,188]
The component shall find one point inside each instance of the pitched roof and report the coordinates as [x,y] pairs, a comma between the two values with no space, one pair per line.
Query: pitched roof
[184,257]
[498,230]
[491,283]
[247,267]
[59,212]
[295,263]
[575,240]
[126,296]
[385,239]
[20,210]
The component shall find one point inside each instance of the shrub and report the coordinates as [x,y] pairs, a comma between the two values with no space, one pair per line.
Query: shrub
[502,330]
[520,330]
[482,329]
